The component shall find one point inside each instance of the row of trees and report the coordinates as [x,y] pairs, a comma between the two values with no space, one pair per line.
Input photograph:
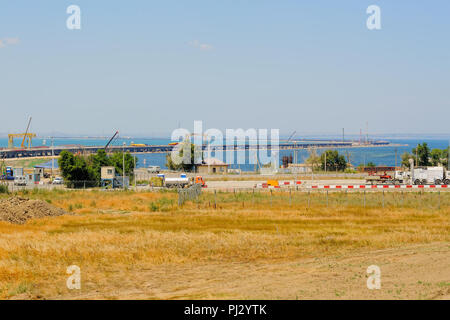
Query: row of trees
[86,170]
[329,160]
[423,156]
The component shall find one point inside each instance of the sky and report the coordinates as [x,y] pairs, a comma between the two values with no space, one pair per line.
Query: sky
[146,67]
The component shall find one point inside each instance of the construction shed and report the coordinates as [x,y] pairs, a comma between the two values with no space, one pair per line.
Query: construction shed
[212,166]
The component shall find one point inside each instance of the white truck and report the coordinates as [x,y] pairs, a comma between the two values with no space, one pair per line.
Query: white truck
[182,181]
[429,175]
[175,182]
[178,182]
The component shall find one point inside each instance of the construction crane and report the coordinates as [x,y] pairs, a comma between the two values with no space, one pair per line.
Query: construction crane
[291,136]
[295,146]
[110,140]
[26,137]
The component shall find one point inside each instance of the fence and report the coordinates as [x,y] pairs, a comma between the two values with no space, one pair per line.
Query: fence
[191,193]
[82,184]
[337,199]
[295,197]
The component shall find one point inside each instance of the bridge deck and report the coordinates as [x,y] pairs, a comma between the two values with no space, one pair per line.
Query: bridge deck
[47,152]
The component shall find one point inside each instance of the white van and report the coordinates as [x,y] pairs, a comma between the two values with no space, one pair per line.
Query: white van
[154,169]
[20,181]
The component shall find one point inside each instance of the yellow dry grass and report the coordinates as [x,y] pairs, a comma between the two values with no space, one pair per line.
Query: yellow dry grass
[123,232]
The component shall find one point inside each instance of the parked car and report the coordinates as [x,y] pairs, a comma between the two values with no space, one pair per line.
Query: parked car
[154,169]
[58,181]
[20,181]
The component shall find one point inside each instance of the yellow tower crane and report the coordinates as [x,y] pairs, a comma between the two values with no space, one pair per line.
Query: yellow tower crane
[26,137]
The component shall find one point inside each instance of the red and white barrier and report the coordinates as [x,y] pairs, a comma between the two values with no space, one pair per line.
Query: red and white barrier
[289,183]
[379,187]
[281,184]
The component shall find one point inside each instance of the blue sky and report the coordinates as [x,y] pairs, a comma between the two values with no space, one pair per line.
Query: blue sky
[142,67]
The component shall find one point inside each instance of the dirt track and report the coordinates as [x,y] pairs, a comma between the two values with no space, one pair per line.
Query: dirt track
[417,272]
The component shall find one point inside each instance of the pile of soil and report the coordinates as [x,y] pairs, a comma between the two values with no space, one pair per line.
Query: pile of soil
[19,210]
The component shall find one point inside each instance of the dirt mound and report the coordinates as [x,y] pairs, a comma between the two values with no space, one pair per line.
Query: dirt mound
[19,210]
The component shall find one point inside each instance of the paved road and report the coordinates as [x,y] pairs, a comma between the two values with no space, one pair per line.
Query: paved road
[250,184]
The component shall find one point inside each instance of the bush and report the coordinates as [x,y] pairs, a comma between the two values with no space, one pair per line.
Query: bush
[153,207]
[4,188]
[156,182]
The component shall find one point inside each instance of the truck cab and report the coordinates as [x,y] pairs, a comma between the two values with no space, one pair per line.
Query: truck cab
[273,183]
[447,178]
[9,173]
[199,180]
[20,181]
[401,176]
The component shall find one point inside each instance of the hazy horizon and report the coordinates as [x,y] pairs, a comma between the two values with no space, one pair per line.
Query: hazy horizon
[283,135]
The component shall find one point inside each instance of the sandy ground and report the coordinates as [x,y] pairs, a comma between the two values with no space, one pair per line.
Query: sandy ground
[414,272]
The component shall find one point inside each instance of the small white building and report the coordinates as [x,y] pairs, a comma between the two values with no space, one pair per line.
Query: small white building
[108,173]
[299,168]
[212,166]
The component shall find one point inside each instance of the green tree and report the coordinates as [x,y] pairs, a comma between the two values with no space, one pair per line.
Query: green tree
[405,159]
[313,159]
[116,160]
[66,161]
[333,161]
[97,161]
[422,153]
[439,157]
[188,160]
[81,171]
[75,170]
[371,165]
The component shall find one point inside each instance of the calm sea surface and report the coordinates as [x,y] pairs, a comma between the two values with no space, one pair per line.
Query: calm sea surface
[378,155]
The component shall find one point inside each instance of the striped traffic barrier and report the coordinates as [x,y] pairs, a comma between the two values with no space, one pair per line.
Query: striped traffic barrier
[377,186]
[280,184]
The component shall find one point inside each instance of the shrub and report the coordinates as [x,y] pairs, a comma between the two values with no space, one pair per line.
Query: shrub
[4,188]
[153,207]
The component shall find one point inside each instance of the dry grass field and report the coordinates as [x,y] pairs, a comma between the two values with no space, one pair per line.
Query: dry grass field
[225,245]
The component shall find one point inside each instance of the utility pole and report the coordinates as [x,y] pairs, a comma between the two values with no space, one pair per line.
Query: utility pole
[123,166]
[417,156]
[134,172]
[395,158]
[343,135]
[367,132]
[312,170]
[53,161]
[296,168]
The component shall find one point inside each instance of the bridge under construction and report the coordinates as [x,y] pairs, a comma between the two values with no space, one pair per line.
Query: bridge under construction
[86,150]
